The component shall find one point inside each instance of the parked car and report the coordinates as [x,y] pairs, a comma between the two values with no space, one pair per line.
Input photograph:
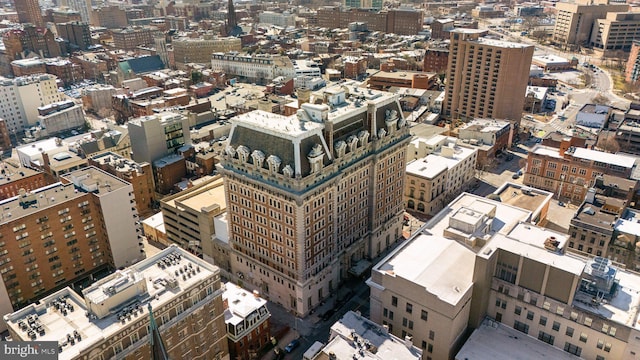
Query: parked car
[515,176]
[292,346]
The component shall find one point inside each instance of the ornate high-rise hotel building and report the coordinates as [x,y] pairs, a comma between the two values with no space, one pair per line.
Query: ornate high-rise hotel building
[313,197]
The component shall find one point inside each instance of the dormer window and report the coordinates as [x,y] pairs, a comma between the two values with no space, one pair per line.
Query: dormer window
[229,150]
[391,120]
[353,143]
[340,148]
[243,153]
[258,158]
[274,164]
[287,171]
[315,158]
[363,136]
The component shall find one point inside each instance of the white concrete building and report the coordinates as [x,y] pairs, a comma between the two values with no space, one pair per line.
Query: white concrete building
[158,135]
[481,258]
[308,82]
[21,97]
[60,117]
[283,19]
[306,68]
[97,97]
[119,213]
[484,131]
[460,161]
[257,68]
[356,337]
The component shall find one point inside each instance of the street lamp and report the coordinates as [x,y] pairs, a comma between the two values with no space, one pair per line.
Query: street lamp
[560,187]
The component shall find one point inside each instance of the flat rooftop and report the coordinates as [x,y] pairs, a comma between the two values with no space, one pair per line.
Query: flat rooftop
[285,125]
[443,267]
[625,161]
[485,125]
[81,182]
[592,214]
[506,216]
[202,197]
[427,167]
[155,221]
[402,75]
[117,162]
[153,272]
[91,179]
[501,43]
[536,235]
[495,341]
[623,307]
[358,337]
[544,150]
[531,248]
[523,197]
[15,171]
[549,59]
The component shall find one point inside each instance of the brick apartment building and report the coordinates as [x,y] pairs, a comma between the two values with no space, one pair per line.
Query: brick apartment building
[65,233]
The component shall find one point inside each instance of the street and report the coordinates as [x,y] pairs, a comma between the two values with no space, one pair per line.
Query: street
[313,328]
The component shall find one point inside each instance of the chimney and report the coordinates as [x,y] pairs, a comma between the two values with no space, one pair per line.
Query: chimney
[591,196]
[304,95]
[565,144]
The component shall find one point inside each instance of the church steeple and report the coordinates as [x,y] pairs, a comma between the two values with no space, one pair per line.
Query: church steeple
[231,18]
[158,350]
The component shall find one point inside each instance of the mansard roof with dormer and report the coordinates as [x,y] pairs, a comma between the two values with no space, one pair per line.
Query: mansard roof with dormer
[334,128]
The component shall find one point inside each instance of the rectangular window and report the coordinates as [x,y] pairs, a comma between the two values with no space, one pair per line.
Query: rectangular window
[583,337]
[569,331]
[432,335]
[556,326]
[394,301]
[424,315]
[409,308]
[544,337]
[572,349]
[521,326]
[530,315]
[518,310]
[543,321]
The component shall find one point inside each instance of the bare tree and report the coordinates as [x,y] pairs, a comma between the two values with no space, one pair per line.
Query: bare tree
[522,163]
[600,99]
[608,143]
